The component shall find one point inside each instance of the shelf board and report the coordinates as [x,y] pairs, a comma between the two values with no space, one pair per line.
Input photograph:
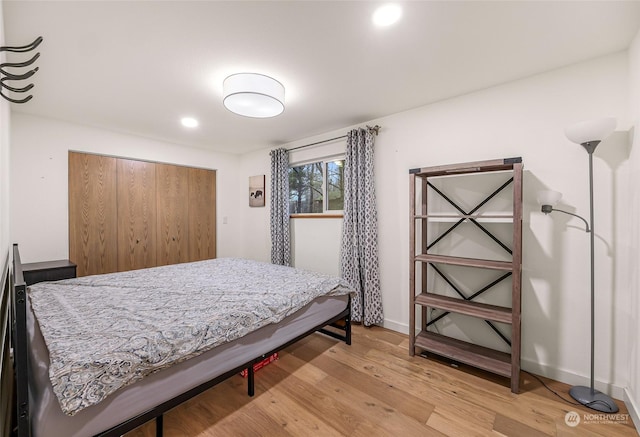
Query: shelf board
[451,218]
[475,309]
[468,167]
[467,262]
[464,352]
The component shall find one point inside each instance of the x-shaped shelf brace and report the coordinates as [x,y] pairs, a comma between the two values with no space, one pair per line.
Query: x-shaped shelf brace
[470,298]
[486,231]
[472,220]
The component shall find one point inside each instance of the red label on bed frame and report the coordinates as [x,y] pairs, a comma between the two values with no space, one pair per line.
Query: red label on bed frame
[259,365]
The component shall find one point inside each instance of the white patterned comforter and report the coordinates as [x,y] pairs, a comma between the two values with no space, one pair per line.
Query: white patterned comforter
[104,332]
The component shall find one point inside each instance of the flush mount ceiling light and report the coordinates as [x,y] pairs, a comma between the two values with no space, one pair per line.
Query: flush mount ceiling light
[189,122]
[386,15]
[253,95]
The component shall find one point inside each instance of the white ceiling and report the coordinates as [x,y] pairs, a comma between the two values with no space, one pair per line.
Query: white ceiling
[138,67]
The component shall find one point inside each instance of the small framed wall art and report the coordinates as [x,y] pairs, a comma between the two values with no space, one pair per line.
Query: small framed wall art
[256,190]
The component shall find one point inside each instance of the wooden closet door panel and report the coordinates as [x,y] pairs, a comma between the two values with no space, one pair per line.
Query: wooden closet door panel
[202,214]
[172,189]
[136,214]
[92,213]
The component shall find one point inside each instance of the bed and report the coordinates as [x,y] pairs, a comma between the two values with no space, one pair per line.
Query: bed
[72,379]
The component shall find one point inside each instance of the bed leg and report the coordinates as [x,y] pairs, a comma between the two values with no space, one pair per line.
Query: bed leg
[159,426]
[250,381]
[347,329]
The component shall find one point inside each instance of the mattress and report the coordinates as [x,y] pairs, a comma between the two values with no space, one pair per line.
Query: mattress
[104,332]
[49,420]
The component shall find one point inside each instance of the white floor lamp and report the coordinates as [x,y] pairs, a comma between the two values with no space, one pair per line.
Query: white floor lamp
[588,134]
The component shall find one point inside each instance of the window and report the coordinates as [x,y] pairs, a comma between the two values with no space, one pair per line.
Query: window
[335,185]
[316,187]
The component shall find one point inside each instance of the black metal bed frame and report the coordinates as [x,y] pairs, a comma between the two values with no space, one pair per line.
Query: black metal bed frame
[20,343]
[7,382]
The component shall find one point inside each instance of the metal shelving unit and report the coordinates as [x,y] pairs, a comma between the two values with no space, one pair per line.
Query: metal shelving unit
[421,186]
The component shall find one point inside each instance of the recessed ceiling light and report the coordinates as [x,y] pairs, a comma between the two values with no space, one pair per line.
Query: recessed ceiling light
[189,122]
[387,15]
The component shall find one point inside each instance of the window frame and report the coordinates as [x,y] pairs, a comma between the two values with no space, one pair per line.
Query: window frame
[326,213]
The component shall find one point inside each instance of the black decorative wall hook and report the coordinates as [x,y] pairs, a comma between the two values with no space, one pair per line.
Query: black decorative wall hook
[9,76]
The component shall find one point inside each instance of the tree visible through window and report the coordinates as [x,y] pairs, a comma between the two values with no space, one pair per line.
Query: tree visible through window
[335,185]
[316,187]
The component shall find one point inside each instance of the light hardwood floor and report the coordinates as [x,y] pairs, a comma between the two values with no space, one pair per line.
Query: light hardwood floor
[322,387]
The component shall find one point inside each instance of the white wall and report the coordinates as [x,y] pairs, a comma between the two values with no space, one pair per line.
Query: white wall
[631,211]
[523,118]
[39,193]
[4,161]
[255,240]
[315,244]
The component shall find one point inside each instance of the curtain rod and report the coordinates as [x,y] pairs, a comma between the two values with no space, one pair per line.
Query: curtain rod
[372,129]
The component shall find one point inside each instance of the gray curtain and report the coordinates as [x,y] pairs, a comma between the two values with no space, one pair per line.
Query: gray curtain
[280,237]
[359,252]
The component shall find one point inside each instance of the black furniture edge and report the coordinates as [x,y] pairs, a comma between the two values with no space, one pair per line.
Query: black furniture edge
[6,369]
[20,346]
[48,271]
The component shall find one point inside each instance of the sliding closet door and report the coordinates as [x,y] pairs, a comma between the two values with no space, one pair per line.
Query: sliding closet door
[136,214]
[202,214]
[172,189]
[92,213]
[126,214]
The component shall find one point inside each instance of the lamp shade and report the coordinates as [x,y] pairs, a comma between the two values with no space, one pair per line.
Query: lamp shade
[253,95]
[548,197]
[592,130]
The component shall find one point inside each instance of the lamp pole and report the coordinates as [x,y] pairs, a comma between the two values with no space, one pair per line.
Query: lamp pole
[589,396]
[590,150]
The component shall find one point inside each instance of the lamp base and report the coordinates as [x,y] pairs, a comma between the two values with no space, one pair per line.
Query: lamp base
[594,399]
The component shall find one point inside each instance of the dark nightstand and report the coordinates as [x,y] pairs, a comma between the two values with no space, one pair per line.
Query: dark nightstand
[48,271]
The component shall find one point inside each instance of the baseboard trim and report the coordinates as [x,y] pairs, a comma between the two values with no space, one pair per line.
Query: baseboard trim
[634,411]
[615,391]
[402,328]
[565,376]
